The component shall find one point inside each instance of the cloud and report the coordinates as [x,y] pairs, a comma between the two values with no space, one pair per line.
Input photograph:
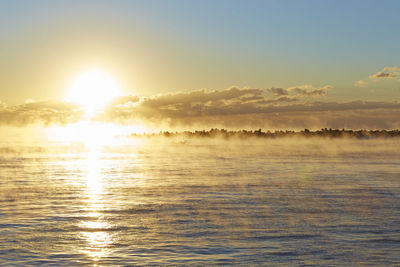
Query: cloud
[309,90]
[124,99]
[381,74]
[231,108]
[301,90]
[349,119]
[360,83]
[393,69]
[387,73]
[278,91]
[203,103]
[171,106]
[45,112]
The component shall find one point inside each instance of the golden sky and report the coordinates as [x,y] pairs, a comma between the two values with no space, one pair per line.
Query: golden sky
[229,64]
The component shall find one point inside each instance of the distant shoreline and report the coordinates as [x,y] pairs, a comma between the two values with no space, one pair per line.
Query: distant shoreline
[324,133]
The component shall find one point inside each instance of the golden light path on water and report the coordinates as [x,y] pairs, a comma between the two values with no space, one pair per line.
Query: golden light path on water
[203,202]
[93,90]
[94,228]
[95,137]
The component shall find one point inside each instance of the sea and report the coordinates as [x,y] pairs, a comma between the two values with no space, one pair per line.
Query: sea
[201,202]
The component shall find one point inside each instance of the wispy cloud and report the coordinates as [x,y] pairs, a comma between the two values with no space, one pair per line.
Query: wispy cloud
[387,73]
[309,90]
[360,83]
[394,69]
[301,90]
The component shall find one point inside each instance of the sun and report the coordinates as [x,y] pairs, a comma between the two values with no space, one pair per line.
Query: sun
[93,90]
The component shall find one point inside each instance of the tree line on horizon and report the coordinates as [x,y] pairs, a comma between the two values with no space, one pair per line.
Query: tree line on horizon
[324,132]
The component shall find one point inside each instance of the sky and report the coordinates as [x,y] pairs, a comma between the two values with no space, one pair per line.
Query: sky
[189,62]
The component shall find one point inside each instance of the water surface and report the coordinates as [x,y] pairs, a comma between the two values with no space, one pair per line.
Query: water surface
[202,202]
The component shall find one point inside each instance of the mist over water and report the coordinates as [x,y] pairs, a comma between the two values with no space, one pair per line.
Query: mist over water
[169,201]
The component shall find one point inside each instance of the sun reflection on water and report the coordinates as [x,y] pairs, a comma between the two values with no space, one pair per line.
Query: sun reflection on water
[101,148]
[94,227]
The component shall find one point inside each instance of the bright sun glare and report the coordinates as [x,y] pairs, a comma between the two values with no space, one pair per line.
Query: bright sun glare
[93,90]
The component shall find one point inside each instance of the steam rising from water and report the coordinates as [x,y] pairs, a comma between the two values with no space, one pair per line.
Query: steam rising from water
[169,201]
[286,146]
